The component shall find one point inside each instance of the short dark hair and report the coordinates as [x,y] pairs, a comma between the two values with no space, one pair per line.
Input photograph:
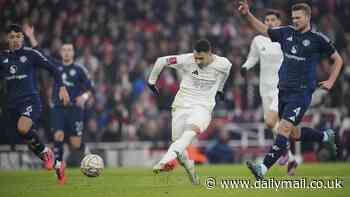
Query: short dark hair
[302,6]
[272,12]
[202,45]
[13,27]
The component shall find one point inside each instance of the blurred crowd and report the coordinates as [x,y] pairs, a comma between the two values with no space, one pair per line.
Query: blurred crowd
[119,40]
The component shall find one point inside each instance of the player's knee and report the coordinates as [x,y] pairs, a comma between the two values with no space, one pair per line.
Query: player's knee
[271,119]
[270,122]
[75,142]
[59,135]
[24,125]
[22,129]
[295,134]
[285,128]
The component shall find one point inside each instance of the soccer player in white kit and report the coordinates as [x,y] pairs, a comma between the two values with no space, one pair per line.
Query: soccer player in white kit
[203,75]
[270,56]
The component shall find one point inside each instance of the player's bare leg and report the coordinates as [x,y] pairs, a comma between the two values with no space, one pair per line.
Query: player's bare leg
[77,143]
[271,119]
[24,127]
[177,151]
[178,146]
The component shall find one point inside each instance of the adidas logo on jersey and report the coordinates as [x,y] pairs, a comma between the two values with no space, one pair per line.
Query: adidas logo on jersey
[195,72]
[6,60]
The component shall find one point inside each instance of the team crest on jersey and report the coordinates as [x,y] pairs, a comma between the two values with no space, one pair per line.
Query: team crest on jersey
[65,80]
[306,42]
[13,69]
[23,59]
[290,38]
[72,72]
[294,49]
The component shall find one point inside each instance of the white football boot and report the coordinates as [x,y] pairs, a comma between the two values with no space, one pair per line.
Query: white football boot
[189,168]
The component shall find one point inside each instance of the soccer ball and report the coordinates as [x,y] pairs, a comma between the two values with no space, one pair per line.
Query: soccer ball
[92,165]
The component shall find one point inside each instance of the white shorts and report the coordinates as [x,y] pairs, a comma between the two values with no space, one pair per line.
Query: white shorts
[182,117]
[270,101]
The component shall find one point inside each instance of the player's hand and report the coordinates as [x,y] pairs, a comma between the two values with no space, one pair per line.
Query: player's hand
[64,96]
[327,85]
[154,89]
[243,72]
[29,32]
[81,100]
[243,7]
[220,96]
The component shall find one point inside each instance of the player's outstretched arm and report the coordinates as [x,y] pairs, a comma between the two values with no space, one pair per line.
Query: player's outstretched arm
[41,60]
[153,77]
[243,8]
[29,32]
[159,65]
[173,61]
[337,65]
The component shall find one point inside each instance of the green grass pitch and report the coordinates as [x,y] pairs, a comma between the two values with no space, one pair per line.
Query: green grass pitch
[133,182]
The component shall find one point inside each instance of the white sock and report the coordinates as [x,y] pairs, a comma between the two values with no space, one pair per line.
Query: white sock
[185,158]
[290,156]
[45,150]
[58,164]
[325,137]
[87,150]
[185,155]
[263,169]
[178,146]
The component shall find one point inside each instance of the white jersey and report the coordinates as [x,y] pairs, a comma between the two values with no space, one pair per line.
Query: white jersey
[198,85]
[270,56]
